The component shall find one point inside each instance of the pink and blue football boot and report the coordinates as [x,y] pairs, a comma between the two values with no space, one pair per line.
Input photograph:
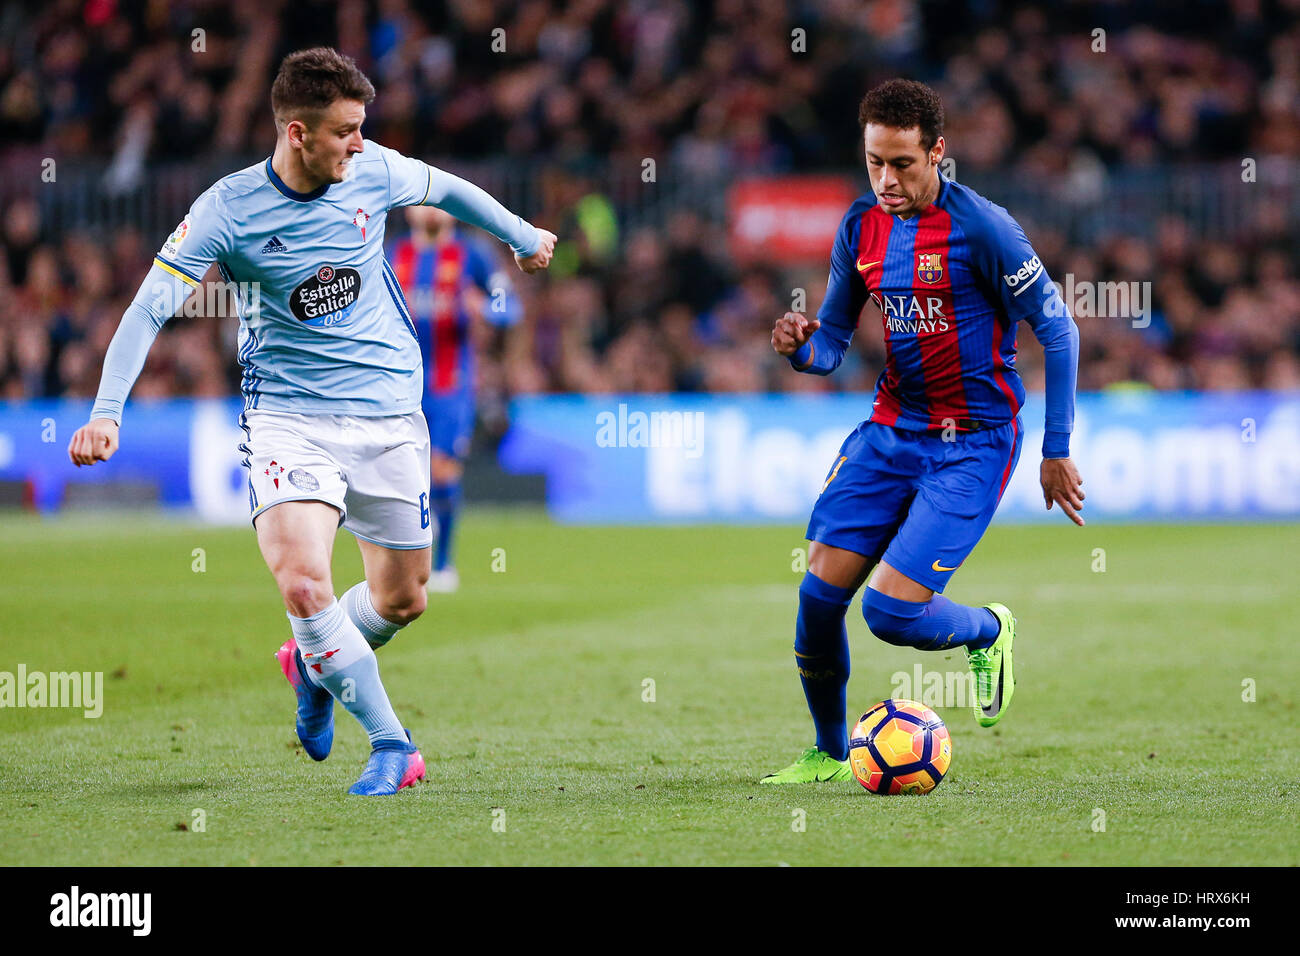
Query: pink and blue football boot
[391,767]
[315,723]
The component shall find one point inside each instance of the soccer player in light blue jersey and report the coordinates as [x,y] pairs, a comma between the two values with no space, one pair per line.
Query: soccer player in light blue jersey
[332,383]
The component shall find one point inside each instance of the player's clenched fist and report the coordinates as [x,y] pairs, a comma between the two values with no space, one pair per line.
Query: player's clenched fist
[792,331]
[94,441]
[542,257]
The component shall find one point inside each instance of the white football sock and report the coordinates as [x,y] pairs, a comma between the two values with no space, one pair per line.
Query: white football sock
[339,659]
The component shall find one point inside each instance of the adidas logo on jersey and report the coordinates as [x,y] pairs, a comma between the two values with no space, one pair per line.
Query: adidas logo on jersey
[274,245]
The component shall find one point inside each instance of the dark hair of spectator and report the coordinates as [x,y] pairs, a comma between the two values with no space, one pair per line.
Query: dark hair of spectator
[310,80]
[902,104]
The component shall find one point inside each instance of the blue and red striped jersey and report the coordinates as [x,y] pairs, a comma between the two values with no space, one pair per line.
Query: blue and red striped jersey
[435,279]
[951,283]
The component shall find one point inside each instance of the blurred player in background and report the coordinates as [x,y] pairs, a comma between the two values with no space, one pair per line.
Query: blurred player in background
[914,487]
[451,284]
[332,384]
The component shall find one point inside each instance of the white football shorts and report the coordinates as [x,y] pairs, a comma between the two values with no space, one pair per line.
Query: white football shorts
[374,470]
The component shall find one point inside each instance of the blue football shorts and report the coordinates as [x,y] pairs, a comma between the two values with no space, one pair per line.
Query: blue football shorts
[913,499]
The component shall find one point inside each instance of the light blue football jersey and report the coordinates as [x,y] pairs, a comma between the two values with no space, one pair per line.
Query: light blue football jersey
[324,328]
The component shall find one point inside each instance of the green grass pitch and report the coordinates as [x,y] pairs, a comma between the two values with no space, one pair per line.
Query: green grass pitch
[525,693]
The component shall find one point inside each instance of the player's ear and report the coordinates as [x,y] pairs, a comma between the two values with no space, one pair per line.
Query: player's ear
[937,151]
[295,131]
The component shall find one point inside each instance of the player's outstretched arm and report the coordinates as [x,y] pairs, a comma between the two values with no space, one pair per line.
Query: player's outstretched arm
[414,182]
[97,440]
[471,204]
[176,273]
[94,441]
[532,247]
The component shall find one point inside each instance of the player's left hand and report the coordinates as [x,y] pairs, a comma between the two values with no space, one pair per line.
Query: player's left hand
[1062,484]
[542,257]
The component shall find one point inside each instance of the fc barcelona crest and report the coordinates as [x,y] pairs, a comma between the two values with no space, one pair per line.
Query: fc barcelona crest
[929,266]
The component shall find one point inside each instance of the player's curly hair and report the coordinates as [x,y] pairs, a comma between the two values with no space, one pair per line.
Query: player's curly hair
[310,80]
[903,104]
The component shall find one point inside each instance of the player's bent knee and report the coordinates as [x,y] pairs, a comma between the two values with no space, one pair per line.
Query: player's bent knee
[305,594]
[417,604]
[403,607]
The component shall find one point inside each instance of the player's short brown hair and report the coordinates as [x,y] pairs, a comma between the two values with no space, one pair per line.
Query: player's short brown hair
[903,104]
[310,80]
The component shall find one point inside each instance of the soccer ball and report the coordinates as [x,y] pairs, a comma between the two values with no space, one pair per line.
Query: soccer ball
[900,746]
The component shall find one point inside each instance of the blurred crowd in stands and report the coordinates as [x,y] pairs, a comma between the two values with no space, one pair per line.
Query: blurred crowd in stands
[731,87]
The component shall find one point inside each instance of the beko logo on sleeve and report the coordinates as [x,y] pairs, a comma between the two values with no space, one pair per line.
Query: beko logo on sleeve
[1024,277]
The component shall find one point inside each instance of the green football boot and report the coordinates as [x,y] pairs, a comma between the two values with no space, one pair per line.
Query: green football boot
[813,766]
[995,681]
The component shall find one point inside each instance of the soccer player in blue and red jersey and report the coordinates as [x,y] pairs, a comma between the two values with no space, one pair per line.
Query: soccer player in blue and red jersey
[915,485]
[449,281]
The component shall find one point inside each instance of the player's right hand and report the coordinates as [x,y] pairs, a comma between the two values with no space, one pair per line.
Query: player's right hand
[542,257]
[792,330]
[94,441]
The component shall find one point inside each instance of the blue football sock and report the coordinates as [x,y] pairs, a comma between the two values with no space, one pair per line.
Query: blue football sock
[444,500]
[338,658]
[933,625]
[821,650]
